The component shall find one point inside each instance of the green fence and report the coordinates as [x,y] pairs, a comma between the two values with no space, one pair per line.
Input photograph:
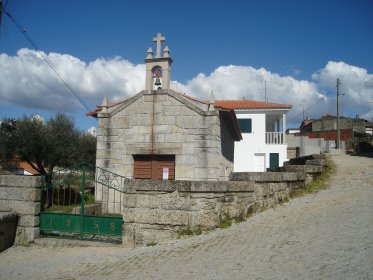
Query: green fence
[82,201]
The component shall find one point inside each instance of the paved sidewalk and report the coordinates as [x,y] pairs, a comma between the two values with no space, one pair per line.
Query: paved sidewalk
[328,235]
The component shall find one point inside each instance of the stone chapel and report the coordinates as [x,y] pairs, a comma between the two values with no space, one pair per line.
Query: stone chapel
[163,134]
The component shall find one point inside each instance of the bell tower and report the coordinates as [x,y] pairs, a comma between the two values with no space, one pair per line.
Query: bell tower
[158,67]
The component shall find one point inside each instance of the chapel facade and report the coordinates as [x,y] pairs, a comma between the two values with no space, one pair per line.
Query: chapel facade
[163,134]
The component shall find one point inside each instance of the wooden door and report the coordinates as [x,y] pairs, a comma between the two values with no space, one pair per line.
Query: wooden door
[152,166]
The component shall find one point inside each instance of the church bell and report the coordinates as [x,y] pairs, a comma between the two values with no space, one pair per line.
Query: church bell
[157,82]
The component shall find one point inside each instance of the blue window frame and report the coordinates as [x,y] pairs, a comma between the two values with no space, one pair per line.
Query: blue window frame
[245,125]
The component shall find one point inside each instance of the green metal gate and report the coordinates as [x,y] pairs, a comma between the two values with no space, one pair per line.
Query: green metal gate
[84,202]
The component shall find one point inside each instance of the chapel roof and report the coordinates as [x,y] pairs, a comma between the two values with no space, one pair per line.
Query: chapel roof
[219,104]
[99,108]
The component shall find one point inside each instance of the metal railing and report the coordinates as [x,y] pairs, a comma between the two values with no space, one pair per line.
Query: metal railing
[275,138]
[110,179]
[109,190]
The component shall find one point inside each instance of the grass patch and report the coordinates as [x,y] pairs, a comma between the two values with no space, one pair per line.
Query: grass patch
[294,193]
[151,244]
[187,231]
[62,208]
[184,231]
[226,220]
[322,181]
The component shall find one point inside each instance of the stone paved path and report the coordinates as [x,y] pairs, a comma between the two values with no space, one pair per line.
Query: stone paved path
[328,235]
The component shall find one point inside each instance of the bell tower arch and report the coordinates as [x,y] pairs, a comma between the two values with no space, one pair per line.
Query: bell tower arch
[158,67]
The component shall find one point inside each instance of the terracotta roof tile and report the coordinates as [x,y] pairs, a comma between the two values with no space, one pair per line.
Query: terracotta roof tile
[193,98]
[99,107]
[27,167]
[248,104]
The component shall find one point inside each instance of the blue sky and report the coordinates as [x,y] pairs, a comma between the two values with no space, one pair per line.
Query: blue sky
[298,47]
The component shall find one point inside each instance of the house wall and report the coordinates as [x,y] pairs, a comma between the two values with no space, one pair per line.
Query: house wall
[309,146]
[280,149]
[249,151]
[345,134]
[251,143]
[344,123]
[162,124]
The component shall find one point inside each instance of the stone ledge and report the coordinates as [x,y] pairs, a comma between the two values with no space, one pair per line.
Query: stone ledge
[303,160]
[153,185]
[302,168]
[20,181]
[267,176]
[320,162]
[217,187]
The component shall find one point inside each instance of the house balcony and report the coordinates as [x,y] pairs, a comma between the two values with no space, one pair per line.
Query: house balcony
[275,138]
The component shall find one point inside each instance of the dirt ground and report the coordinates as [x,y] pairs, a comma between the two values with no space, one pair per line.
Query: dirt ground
[327,235]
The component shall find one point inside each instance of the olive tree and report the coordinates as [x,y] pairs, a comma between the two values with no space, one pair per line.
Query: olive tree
[45,145]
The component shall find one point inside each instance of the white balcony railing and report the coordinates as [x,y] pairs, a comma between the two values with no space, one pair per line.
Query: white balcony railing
[274,138]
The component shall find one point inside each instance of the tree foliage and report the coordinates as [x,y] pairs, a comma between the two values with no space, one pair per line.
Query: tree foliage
[45,145]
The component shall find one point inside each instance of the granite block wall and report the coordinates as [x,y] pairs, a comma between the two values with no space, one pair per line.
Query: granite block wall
[21,195]
[158,211]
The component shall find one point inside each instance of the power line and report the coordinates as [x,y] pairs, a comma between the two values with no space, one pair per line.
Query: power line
[309,108]
[50,64]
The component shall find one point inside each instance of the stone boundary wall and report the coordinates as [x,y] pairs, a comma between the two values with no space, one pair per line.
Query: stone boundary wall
[316,160]
[159,211]
[8,227]
[312,166]
[21,195]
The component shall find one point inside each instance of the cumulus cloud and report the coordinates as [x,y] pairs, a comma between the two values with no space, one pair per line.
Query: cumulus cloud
[28,81]
[356,87]
[238,82]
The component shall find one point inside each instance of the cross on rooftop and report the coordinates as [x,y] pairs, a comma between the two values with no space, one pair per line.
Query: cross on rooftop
[159,39]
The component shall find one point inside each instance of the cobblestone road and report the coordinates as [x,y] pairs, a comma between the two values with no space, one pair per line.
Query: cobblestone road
[328,235]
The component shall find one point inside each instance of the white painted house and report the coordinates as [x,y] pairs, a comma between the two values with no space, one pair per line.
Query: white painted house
[263,129]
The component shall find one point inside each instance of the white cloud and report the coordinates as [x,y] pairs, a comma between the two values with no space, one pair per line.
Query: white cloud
[356,87]
[38,118]
[92,130]
[28,81]
[237,82]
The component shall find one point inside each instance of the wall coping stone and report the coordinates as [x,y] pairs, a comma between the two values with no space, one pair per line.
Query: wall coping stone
[302,168]
[20,181]
[262,177]
[134,186]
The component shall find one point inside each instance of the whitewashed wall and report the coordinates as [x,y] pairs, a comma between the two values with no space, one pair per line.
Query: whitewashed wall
[249,152]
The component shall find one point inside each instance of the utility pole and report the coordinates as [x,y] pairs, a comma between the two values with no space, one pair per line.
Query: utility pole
[338,128]
[303,110]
